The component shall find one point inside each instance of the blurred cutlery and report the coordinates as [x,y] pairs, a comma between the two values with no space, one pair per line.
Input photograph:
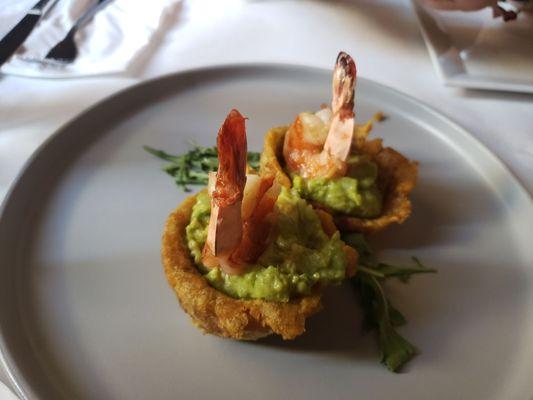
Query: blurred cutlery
[16,36]
[66,50]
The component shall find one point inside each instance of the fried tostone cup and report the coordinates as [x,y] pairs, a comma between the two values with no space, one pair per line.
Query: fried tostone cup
[396,178]
[214,312]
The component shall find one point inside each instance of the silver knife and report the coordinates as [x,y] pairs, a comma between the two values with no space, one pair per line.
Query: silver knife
[16,36]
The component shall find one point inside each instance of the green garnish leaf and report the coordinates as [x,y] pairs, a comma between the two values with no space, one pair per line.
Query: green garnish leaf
[380,314]
[403,273]
[193,167]
[395,316]
[369,263]
[383,317]
[161,154]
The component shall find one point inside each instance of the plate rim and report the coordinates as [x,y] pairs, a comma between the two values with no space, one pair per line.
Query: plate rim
[15,378]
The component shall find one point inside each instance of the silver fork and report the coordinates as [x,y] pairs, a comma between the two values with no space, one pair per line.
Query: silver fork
[66,51]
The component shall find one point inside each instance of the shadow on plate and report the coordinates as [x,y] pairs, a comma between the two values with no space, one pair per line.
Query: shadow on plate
[337,330]
[451,212]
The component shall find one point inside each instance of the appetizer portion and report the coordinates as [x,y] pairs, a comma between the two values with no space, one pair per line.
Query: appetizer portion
[247,257]
[329,161]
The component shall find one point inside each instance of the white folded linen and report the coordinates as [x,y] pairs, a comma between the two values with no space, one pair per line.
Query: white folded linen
[110,43]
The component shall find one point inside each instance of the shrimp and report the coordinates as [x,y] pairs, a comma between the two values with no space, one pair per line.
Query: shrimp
[239,225]
[318,145]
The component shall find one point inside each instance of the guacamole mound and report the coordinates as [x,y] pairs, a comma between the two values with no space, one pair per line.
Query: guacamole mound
[355,194]
[299,256]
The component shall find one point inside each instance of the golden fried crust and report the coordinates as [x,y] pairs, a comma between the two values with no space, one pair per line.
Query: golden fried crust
[397,178]
[271,162]
[214,312]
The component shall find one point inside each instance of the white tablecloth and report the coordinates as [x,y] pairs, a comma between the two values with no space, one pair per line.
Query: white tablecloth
[382,35]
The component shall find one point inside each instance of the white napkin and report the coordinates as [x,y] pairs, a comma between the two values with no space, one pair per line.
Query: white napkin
[117,37]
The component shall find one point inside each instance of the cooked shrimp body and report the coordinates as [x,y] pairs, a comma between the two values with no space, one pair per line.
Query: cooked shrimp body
[260,195]
[239,225]
[318,145]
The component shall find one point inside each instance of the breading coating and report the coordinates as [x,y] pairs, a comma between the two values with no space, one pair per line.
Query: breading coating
[396,178]
[214,312]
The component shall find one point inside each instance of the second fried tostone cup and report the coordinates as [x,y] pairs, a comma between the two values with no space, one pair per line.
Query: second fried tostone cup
[397,176]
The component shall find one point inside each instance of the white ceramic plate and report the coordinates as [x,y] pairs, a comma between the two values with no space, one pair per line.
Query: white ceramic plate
[473,50]
[86,313]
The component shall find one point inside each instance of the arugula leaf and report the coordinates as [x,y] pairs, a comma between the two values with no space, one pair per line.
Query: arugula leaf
[193,167]
[380,314]
[395,316]
[369,264]
[403,273]
[253,159]
[383,317]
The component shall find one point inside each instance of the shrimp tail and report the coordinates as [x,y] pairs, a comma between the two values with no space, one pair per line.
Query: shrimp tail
[232,153]
[225,230]
[339,140]
[344,76]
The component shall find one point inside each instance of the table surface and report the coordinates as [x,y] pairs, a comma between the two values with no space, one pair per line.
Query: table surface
[382,35]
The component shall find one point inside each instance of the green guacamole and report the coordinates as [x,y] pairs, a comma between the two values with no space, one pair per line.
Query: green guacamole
[300,255]
[355,194]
